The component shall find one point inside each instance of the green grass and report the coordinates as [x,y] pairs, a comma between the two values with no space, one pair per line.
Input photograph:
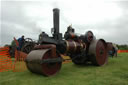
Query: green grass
[113,73]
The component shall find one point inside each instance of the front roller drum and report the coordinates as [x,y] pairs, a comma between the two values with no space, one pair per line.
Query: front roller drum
[98,52]
[43,62]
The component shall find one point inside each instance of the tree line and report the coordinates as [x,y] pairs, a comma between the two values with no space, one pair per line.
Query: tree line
[122,47]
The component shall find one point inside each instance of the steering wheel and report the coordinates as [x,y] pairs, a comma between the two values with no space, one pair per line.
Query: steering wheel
[28,40]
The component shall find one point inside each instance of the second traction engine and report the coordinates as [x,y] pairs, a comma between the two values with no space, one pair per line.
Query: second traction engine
[82,49]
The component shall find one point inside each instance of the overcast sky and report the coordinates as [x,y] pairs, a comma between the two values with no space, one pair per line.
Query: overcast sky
[107,19]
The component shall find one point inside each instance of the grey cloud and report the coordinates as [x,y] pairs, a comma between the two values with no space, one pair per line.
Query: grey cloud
[13,12]
[16,23]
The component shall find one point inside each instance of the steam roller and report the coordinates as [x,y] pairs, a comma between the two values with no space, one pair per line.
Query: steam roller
[46,57]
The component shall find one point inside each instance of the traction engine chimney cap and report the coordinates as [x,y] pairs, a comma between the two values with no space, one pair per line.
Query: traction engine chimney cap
[56,9]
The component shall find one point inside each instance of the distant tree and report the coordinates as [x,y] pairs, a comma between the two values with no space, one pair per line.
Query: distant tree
[6,45]
[13,43]
[122,47]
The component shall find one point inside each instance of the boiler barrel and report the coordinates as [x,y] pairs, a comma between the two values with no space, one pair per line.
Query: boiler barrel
[74,47]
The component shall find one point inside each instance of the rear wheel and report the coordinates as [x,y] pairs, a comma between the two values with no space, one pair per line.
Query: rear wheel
[98,52]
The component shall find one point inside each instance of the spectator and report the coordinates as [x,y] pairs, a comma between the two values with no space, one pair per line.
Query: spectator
[21,42]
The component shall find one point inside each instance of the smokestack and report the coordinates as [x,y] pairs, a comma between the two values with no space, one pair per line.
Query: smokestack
[56,20]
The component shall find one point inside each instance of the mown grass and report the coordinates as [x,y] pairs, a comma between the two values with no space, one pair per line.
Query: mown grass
[113,73]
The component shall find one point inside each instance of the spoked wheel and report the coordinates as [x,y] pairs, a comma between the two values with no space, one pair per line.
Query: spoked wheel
[98,52]
[42,62]
[78,60]
[28,40]
[27,47]
[89,36]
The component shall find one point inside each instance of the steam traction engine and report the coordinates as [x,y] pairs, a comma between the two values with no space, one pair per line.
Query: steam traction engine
[46,57]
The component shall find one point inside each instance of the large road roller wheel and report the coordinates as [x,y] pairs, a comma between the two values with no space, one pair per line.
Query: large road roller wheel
[42,62]
[98,52]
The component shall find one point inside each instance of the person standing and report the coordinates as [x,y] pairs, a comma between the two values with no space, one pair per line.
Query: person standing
[21,42]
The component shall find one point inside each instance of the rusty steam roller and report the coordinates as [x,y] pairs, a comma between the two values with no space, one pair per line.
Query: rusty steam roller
[46,57]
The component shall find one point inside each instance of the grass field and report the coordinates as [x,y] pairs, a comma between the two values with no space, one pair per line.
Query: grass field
[113,73]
